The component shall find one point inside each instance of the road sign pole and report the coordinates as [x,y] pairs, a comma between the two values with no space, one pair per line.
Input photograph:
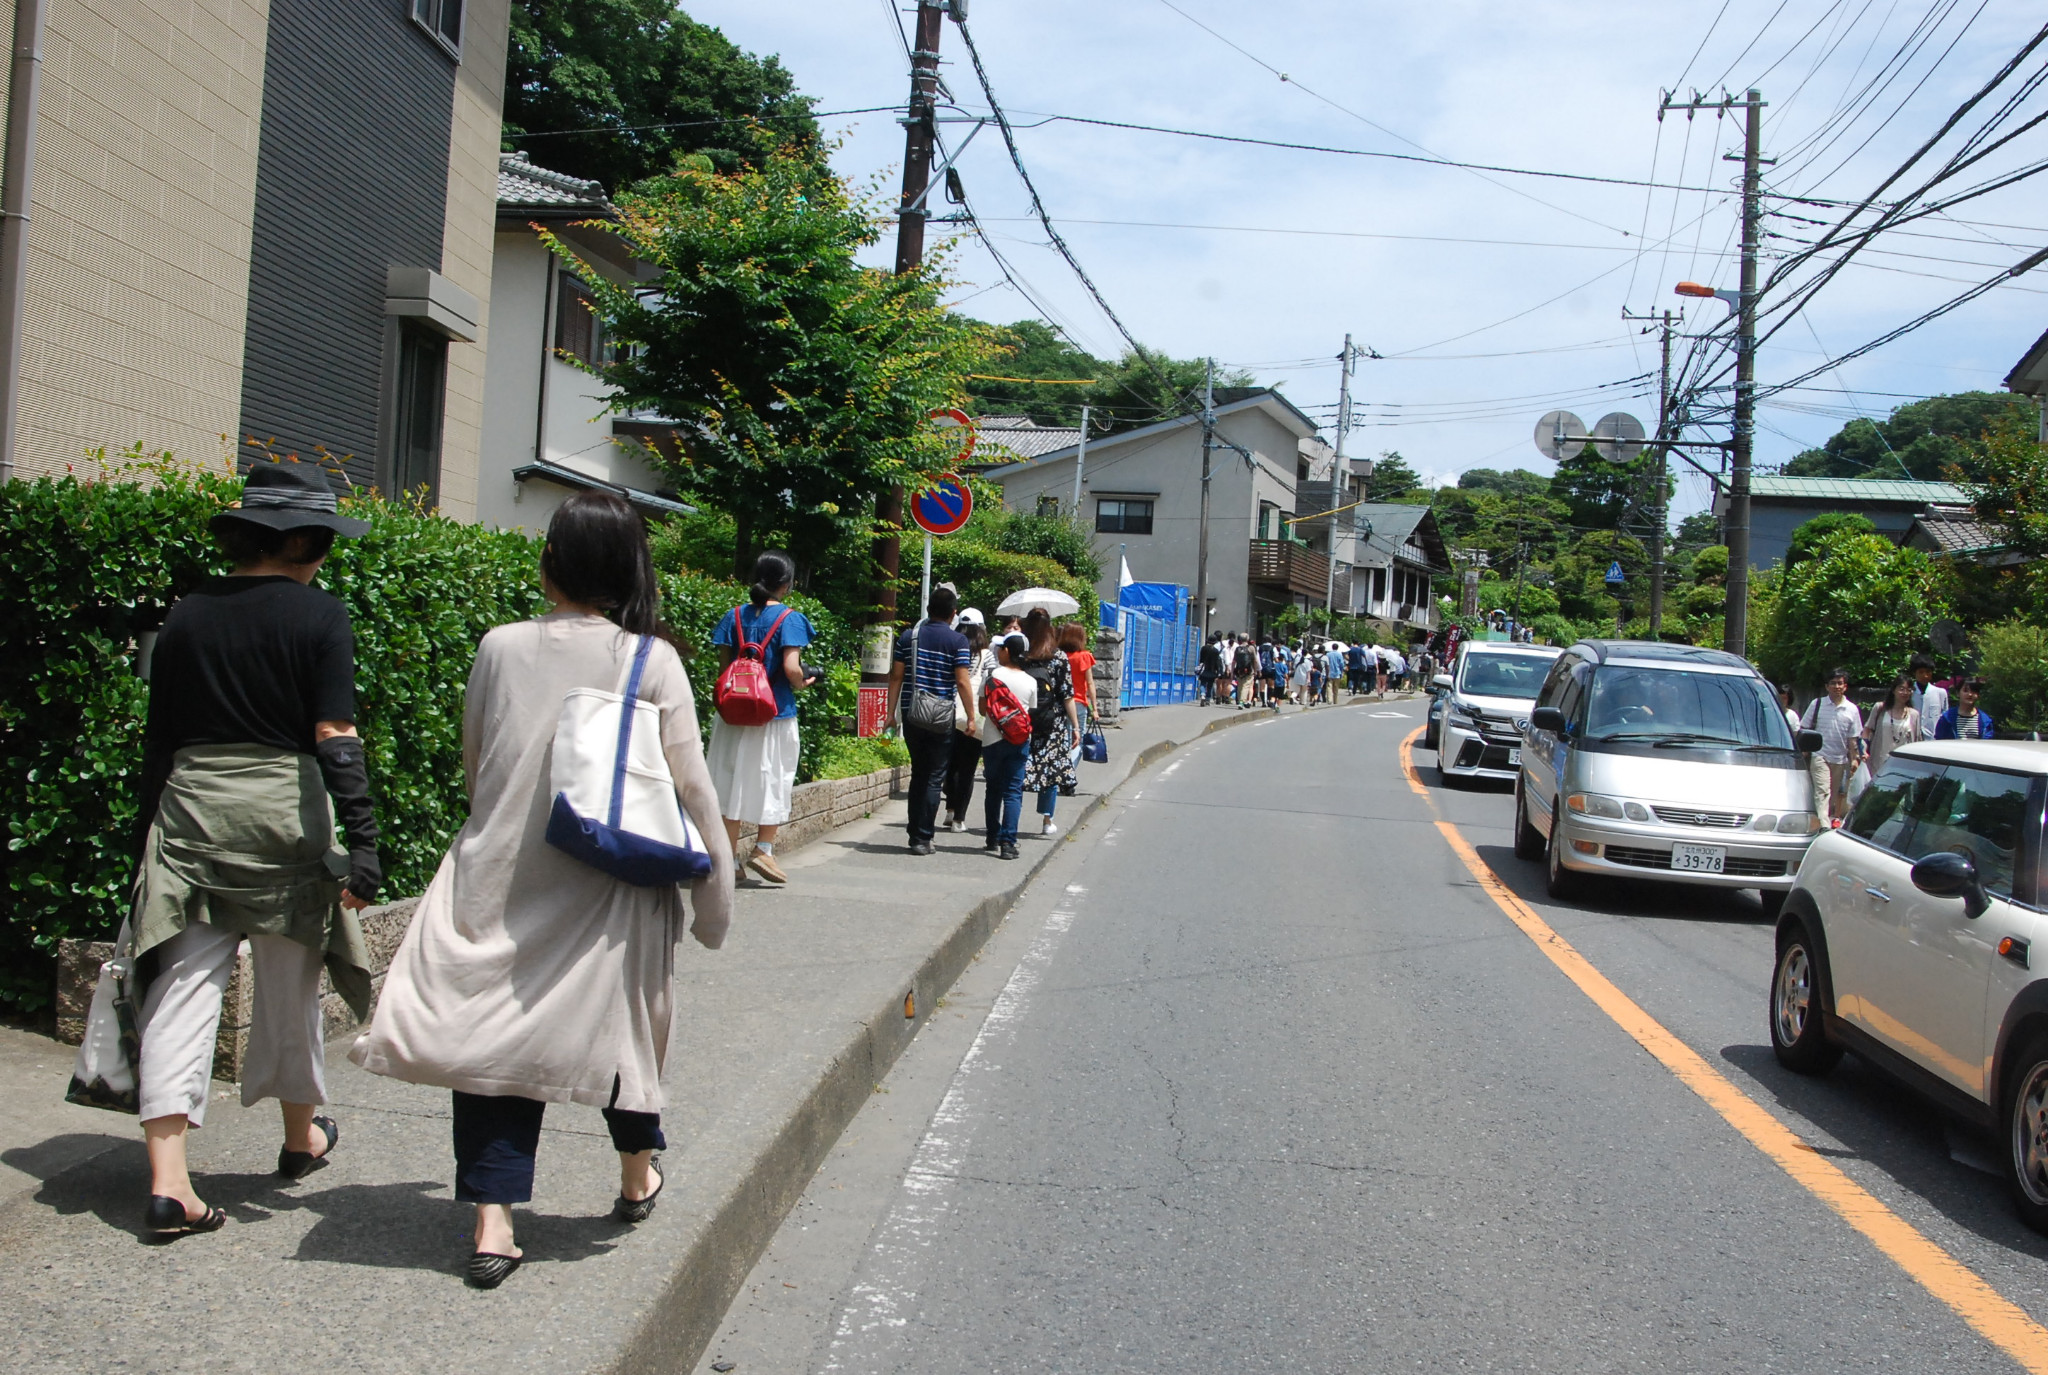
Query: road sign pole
[924,593]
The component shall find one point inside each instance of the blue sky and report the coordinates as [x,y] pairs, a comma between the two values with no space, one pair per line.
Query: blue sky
[1493,297]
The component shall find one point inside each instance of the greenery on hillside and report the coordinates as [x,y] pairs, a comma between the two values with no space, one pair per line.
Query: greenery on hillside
[1122,395]
[1929,441]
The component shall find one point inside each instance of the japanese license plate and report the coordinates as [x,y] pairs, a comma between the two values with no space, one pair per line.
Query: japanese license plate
[1514,758]
[1699,859]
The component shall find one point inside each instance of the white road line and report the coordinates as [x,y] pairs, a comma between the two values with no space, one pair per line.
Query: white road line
[882,1301]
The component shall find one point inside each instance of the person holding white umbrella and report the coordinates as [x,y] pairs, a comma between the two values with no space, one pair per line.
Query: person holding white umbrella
[1055,725]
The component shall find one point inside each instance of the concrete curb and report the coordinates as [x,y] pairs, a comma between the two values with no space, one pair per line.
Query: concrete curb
[736,1232]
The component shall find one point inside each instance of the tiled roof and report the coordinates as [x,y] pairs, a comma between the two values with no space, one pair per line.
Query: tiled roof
[1856,489]
[1013,438]
[525,186]
[1959,532]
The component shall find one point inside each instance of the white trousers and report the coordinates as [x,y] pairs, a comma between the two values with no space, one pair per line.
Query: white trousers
[181,1021]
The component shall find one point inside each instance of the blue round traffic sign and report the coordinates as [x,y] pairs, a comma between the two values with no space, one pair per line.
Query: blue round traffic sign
[943,508]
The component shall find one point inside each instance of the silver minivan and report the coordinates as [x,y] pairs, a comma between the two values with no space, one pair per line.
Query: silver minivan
[1663,761]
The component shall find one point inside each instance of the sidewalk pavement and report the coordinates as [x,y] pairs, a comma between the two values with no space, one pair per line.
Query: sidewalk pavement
[779,1038]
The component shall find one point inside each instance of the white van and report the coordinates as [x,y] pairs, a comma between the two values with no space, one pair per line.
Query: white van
[1486,699]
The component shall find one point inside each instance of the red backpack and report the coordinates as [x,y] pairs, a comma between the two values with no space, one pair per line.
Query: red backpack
[743,694]
[1006,711]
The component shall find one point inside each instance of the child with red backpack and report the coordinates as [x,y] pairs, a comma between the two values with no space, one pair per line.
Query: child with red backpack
[1007,697]
[753,748]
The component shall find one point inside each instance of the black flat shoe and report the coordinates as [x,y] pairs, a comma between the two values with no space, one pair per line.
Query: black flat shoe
[637,1209]
[298,1164]
[487,1270]
[167,1218]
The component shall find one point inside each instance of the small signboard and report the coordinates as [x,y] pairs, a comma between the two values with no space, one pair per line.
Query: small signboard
[944,508]
[1615,577]
[873,718]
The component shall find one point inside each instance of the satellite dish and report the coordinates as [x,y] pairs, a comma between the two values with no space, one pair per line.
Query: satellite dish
[1618,437]
[1560,434]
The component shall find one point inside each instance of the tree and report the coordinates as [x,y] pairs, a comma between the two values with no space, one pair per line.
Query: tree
[1808,538]
[648,84]
[1858,601]
[1698,530]
[1513,482]
[2013,657]
[799,381]
[1035,349]
[1596,490]
[1922,440]
[1392,478]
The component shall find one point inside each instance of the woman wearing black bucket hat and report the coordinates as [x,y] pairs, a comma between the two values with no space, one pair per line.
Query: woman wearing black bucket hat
[250,754]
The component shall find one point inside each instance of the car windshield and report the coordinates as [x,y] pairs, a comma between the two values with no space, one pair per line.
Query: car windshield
[1503,675]
[1673,707]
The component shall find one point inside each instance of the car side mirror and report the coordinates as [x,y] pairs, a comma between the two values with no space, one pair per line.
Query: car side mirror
[1442,680]
[1950,875]
[1550,719]
[1809,741]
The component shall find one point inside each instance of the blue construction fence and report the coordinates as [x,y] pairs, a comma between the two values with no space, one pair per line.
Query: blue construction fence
[1161,650]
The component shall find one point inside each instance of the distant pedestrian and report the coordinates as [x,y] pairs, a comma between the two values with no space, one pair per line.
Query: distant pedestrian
[1841,730]
[1054,724]
[1380,674]
[249,755]
[1246,673]
[959,791]
[1333,670]
[528,977]
[1301,679]
[1004,760]
[1209,670]
[1816,767]
[1081,663]
[754,767]
[1892,723]
[1930,698]
[931,663]
[1964,720]
[1356,670]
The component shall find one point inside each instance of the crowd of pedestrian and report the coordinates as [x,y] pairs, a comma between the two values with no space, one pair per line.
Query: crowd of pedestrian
[1855,743]
[1245,672]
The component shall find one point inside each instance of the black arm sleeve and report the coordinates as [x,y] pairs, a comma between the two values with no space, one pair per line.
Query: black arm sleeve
[343,769]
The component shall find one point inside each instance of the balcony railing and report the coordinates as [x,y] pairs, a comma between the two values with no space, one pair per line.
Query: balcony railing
[1283,563]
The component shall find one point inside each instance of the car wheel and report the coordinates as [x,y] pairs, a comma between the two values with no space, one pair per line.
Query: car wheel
[1528,840]
[2026,1131]
[1560,882]
[1429,737]
[1797,1036]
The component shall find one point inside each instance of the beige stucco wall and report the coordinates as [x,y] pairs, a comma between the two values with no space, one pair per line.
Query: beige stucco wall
[466,244]
[142,198]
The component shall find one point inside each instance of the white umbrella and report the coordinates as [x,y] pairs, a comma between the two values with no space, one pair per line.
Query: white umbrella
[1049,600]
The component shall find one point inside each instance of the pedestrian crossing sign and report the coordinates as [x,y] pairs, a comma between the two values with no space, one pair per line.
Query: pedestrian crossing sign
[1614,574]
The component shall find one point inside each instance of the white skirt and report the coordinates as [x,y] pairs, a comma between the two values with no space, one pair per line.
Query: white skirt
[753,768]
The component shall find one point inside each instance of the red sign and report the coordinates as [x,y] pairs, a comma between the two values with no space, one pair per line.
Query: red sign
[950,419]
[944,508]
[874,710]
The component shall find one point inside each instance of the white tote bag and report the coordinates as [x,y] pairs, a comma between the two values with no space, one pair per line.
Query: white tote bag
[109,1058]
[615,802]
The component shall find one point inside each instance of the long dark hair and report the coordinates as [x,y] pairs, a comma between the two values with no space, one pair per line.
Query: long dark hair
[1038,630]
[774,571]
[596,554]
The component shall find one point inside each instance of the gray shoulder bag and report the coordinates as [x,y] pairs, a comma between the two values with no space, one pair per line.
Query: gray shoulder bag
[927,710]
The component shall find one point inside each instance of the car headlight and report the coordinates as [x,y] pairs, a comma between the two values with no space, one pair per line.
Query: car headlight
[1765,821]
[1798,823]
[1593,804]
[1460,719]
[1635,811]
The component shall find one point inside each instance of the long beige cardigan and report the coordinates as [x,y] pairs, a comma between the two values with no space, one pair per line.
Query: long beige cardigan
[525,971]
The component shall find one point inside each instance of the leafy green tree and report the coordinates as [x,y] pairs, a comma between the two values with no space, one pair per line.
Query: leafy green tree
[1032,348]
[641,83]
[2010,484]
[1858,601]
[1053,537]
[2013,657]
[1810,536]
[1922,440]
[1597,491]
[1513,482]
[800,381]
[1392,478]
[1697,531]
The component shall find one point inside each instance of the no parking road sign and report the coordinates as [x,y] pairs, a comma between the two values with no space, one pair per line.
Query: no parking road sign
[944,508]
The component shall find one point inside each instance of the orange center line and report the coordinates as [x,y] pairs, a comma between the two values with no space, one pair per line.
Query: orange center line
[2000,1321]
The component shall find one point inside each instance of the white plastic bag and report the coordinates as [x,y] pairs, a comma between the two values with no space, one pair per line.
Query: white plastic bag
[106,1073]
[1858,781]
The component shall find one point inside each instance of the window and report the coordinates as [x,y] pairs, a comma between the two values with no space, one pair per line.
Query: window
[1502,675]
[1884,815]
[422,383]
[1978,813]
[442,19]
[1123,517]
[1673,707]
[1048,504]
[577,330]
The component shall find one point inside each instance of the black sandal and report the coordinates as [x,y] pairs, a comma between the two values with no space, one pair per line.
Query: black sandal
[637,1209]
[298,1164]
[167,1218]
[488,1270]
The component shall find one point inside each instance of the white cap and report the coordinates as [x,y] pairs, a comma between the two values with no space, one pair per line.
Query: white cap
[969,616]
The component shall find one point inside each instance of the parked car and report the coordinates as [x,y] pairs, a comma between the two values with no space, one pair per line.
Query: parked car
[1667,762]
[1909,938]
[1483,703]
[1433,727]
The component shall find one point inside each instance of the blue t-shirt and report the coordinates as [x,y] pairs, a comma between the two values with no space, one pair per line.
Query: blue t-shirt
[940,650]
[793,633]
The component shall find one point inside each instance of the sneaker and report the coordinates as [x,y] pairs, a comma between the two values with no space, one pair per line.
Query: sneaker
[764,864]
[957,824]
[920,847]
[1048,827]
[1008,852]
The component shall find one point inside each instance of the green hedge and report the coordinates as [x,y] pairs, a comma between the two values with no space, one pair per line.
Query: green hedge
[86,566]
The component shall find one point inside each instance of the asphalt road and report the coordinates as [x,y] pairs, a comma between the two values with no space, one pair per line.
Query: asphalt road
[1260,1077]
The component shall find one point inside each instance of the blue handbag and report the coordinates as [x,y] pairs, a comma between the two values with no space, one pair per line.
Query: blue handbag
[1094,749]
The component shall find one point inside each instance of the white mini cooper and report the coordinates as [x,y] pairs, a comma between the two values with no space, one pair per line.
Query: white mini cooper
[1909,939]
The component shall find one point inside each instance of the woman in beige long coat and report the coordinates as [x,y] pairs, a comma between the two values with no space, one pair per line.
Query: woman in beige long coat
[529,977]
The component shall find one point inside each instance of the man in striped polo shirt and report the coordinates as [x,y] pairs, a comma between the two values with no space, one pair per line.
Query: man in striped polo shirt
[931,658]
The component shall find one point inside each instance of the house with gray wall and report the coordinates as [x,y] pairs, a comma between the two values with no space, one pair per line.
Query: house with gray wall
[1780,505]
[1140,494]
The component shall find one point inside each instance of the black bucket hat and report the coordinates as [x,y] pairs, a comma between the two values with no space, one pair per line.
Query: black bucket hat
[290,496]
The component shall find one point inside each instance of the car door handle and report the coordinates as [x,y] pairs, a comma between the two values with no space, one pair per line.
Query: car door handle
[1879,893]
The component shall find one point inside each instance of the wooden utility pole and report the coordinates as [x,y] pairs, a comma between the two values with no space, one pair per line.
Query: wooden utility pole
[1736,638]
[1336,476]
[1202,532]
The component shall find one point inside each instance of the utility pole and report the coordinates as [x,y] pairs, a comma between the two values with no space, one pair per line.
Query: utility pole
[919,138]
[1336,470]
[1202,534]
[1521,562]
[1080,463]
[1736,638]
[1659,473]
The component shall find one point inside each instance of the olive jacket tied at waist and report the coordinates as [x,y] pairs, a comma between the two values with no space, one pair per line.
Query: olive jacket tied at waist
[243,840]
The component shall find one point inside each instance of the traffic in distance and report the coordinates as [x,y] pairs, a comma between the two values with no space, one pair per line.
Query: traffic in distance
[1906,934]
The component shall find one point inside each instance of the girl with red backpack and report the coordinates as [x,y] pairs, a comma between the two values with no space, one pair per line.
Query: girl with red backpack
[753,749]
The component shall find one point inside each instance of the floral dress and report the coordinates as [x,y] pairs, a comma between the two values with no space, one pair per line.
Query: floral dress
[1052,753]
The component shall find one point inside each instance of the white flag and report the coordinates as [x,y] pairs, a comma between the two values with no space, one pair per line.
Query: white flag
[1123,574]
